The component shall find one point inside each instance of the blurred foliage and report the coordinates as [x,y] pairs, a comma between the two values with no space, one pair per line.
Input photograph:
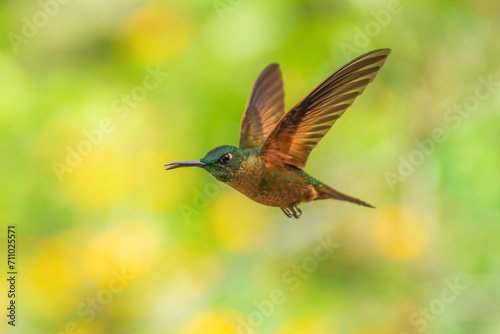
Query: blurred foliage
[91,200]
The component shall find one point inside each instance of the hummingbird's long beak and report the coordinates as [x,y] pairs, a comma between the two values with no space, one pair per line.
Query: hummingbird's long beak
[189,163]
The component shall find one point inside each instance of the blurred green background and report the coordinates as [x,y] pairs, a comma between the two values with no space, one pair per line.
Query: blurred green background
[98,96]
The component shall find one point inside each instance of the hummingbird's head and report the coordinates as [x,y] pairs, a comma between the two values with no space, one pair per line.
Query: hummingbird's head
[222,162]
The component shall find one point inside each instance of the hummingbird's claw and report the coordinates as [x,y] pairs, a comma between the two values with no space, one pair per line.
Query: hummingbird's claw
[292,211]
[287,212]
[296,212]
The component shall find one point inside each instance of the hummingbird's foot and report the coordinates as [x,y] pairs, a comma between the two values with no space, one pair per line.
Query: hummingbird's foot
[287,212]
[296,211]
[292,211]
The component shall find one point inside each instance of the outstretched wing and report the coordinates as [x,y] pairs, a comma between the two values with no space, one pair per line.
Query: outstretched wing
[265,107]
[304,125]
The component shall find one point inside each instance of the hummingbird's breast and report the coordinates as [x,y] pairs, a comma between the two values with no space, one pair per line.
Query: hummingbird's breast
[272,187]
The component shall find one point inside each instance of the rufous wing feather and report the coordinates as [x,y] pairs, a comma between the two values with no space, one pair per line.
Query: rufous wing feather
[264,109]
[301,128]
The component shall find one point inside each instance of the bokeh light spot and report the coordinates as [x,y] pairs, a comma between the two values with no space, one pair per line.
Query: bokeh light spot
[398,233]
[132,246]
[210,323]
[54,275]
[100,180]
[154,34]
[306,326]
[237,221]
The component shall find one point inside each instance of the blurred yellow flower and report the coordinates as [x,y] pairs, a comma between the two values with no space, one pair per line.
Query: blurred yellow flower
[100,180]
[210,323]
[54,277]
[398,233]
[131,246]
[306,326]
[154,34]
[96,326]
[237,221]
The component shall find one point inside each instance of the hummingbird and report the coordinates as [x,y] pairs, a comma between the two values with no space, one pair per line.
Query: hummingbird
[268,166]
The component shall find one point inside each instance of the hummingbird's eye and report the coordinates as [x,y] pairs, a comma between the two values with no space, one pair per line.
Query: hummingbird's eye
[225,158]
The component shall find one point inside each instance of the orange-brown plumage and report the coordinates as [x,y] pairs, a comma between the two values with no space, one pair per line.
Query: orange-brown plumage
[274,146]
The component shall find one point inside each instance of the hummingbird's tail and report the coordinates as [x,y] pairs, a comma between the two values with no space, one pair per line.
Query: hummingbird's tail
[325,192]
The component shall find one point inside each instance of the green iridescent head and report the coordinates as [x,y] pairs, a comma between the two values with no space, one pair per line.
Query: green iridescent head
[222,162]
